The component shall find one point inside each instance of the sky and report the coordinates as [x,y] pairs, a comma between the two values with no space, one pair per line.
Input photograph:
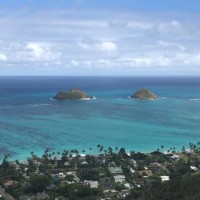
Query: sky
[99,37]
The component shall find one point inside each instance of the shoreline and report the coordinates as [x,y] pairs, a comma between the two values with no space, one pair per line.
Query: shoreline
[111,172]
[95,152]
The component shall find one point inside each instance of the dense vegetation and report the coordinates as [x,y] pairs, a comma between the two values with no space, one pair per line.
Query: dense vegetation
[179,188]
[66,174]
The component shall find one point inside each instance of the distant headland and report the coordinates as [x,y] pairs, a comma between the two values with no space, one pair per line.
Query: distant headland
[73,94]
[144,93]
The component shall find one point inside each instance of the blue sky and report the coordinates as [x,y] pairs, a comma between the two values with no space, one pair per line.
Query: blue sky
[100,37]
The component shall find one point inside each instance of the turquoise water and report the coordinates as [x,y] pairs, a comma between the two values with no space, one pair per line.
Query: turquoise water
[31,121]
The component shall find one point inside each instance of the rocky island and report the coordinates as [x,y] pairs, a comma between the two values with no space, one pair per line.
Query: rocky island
[144,93]
[73,94]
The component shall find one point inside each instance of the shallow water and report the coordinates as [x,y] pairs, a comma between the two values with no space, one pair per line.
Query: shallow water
[31,121]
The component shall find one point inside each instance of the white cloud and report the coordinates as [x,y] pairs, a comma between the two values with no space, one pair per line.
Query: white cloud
[107,46]
[170,26]
[188,59]
[74,62]
[42,52]
[141,61]
[140,25]
[63,41]
[95,45]
[14,46]
[175,23]
[171,44]
[84,45]
[163,61]
[3,57]
[37,51]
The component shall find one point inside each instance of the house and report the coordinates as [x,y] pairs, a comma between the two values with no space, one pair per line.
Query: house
[61,175]
[139,182]
[194,168]
[175,157]
[128,186]
[66,164]
[9,183]
[42,195]
[132,170]
[133,162]
[146,172]
[106,183]
[84,163]
[164,178]
[60,198]
[92,184]
[119,178]
[115,170]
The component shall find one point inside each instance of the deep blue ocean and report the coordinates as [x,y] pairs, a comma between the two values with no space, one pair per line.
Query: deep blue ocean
[31,121]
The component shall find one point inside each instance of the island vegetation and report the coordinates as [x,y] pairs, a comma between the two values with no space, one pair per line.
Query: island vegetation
[144,93]
[111,174]
[73,94]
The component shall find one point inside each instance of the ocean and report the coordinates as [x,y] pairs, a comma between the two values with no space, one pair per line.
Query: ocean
[31,121]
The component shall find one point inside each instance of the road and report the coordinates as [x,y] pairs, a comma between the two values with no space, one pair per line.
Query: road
[5,195]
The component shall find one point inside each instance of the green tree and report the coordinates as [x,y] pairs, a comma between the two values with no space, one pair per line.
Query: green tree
[37,184]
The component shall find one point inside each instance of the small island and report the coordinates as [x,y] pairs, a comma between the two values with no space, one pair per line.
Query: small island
[144,93]
[73,94]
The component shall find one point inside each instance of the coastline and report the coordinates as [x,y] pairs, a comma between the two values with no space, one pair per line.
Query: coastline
[95,151]
[113,173]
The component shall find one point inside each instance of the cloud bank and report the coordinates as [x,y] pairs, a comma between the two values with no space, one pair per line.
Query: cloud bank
[58,42]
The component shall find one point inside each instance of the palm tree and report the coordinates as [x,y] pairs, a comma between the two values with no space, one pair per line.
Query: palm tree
[101,148]
[76,151]
[110,150]
[183,148]
[98,146]
[46,151]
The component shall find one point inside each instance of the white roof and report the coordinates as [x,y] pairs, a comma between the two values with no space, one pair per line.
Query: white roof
[93,184]
[119,178]
[175,156]
[164,178]
[132,170]
[127,185]
[194,168]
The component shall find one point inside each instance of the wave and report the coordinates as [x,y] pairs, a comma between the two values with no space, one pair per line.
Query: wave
[87,99]
[39,104]
[159,98]
[84,99]
[195,99]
